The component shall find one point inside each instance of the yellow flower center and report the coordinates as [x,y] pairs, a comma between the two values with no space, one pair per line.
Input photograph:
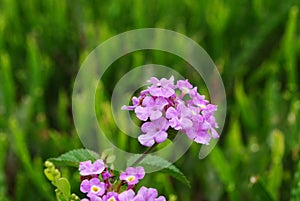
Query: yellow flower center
[112,199]
[130,178]
[202,106]
[95,189]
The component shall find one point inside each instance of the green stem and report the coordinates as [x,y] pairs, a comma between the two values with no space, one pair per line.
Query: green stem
[143,155]
[119,186]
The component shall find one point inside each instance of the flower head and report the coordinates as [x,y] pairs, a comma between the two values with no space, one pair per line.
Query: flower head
[160,108]
[132,175]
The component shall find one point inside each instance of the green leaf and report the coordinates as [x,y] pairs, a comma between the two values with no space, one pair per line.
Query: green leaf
[276,167]
[157,162]
[74,157]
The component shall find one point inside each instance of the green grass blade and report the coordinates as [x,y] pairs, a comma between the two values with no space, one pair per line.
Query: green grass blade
[290,48]
[20,148]
[7,85]
[225,172]
[3,151]
[276,168]
[295,191]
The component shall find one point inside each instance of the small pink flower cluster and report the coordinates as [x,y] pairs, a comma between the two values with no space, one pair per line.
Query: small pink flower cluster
[164,105]
[98,187]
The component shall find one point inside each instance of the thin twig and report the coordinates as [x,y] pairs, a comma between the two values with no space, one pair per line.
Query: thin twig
[143,155]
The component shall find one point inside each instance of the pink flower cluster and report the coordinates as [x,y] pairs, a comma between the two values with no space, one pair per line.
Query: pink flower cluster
[97,186]
[165,105]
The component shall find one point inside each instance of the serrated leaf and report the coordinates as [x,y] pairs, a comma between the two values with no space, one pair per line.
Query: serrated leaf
[167,167]
[74,157]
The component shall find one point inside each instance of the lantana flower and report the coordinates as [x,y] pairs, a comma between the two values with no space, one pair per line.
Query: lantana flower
[164,106]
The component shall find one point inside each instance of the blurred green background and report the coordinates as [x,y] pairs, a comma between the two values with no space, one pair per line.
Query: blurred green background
[255,45]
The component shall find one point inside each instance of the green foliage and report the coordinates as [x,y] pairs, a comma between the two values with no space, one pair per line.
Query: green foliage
[3,151]
[276,167]
[63,188]
[295,191]
[74,157]
[259,190]
[159,163]
[7,83]
[290,48]
[255,45]
[225,172]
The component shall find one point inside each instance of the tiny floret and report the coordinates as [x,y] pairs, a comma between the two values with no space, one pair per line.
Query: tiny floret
[132,175]
[88,168]
[93,187]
